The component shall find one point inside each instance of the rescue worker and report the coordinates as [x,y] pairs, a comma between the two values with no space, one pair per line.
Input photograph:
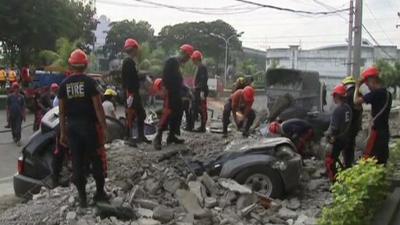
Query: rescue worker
[16,112]
[338,131]
[172,111]
[12,75]
[25,76]
[348,153]
[240,83]
[82,124]
[200,91]
[241,103]
[131,85]
[187,103]
[3,78]
[299,131]
[381,103]
[108,103]
[53,94]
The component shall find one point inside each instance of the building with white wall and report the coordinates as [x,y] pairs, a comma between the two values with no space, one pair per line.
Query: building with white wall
[329,61]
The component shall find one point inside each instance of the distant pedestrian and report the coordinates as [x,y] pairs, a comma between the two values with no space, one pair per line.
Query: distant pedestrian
[82,125]
[381,103]
[16,112]
[53,94]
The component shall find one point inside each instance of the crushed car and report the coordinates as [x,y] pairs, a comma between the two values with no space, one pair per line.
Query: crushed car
[269,166]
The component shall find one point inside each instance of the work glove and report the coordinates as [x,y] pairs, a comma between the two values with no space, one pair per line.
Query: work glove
[129,101]
[202,95]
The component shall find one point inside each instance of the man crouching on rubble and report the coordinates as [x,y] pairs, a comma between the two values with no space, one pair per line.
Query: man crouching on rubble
[338,131]
[240,102]
[381,103]
[82,122]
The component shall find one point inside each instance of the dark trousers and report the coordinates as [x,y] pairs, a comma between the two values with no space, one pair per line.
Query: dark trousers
[348,152]
[188,114]
[83,144]
[199,107]
[226,118]
[378,145]
[333,158]
[136,112]
[15,124]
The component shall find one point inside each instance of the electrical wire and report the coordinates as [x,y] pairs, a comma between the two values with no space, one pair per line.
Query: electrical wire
[380,26]
[292,10]
[377,43]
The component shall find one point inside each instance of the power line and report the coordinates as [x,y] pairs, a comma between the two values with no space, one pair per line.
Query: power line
[380,26]
[377,43]
[205,11]
[292,10]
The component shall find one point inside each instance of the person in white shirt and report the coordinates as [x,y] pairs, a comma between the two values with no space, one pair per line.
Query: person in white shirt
[108,103]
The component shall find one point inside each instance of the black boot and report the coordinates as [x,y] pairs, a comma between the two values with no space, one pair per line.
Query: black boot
[157,140]
[101,196]
[141,137]
[173,139]
[201,129]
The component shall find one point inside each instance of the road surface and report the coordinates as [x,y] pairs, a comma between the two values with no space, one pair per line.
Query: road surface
[9,152]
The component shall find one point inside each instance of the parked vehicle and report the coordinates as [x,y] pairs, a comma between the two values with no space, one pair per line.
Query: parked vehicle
[34,165]
[270,167]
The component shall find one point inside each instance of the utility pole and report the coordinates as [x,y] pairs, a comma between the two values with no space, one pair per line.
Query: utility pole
[226,40]
[398,25]
[350,39]
[357,38]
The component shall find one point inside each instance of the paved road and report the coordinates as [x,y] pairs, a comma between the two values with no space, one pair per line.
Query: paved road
[9,152]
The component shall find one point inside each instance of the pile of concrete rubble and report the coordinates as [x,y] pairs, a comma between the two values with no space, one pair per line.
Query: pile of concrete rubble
[156,187]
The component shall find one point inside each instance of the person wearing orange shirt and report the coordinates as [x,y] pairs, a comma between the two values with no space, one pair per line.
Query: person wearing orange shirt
[240,105]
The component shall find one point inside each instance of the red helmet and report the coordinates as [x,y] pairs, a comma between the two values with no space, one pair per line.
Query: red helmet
[248,94]
[15,85]
[78,58]
[274,127]
[370,72]
[54,87]
[131,43]
[187,49]
[157,85]
[340,90]
[197,55]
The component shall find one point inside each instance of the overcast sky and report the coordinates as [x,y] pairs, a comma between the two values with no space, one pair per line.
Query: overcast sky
[264,27]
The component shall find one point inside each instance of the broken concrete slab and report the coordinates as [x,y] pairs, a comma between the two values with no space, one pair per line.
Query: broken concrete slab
[210,202]
[189,201]
[163,214]
[172,185]
[232,185]
[199,190]
[210,184]
[245,200]
[146,203]
[293,203]
[146,213]
[286,213]
[144,221]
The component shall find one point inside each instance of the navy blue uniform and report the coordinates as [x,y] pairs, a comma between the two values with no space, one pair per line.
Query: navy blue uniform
[299,131]
[77,91]
[173,81]
[16,108]
[200,85]
[338,131]
[378,143]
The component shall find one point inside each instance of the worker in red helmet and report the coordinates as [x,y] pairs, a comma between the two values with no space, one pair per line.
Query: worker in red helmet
[299,131]
[131,86]
[240,104]
[82,125]
[173,110]
[200,91]
[16,112]
[381,102]
[338,131]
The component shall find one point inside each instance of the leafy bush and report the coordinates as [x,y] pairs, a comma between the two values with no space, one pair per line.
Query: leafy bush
[357,193]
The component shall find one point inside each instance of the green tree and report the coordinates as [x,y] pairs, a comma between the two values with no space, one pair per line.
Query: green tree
[58,58]
[198,34]
[120,31]
[390,73]
[29,26]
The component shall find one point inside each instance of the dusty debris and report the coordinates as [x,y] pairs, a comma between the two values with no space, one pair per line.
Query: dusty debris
[147,191]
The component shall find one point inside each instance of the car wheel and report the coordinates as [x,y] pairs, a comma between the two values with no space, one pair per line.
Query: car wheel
[262,179]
